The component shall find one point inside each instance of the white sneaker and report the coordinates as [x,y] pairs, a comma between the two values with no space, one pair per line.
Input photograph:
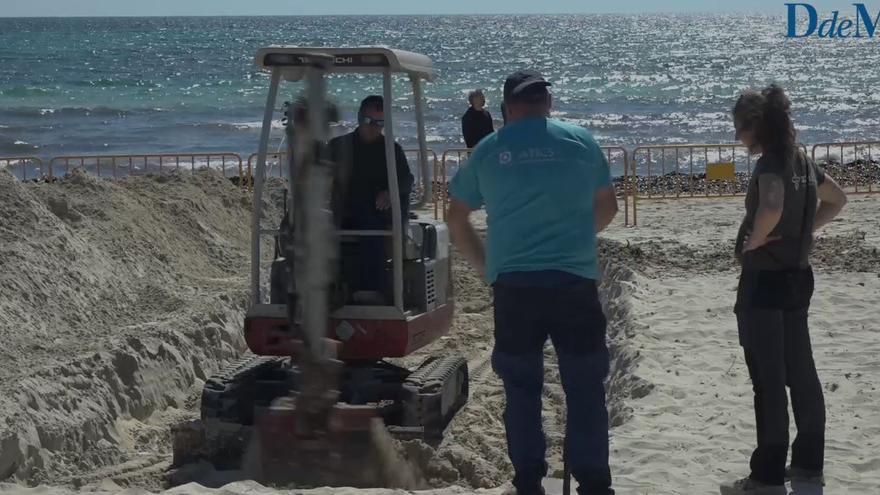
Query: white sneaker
[748,486]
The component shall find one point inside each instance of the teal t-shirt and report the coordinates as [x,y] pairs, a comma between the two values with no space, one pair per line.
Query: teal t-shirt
[537,179]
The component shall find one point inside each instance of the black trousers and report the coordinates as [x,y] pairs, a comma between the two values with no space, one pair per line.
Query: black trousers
[771,313]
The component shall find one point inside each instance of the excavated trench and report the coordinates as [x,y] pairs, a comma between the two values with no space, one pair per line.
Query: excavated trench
[118,299]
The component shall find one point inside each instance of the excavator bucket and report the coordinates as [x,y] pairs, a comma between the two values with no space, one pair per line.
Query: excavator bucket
[343,454]
[309,436]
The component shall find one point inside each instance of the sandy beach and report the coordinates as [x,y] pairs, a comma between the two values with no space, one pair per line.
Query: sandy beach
[696,426]
[102,358]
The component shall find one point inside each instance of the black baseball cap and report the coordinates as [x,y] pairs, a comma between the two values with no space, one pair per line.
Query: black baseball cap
[524,83]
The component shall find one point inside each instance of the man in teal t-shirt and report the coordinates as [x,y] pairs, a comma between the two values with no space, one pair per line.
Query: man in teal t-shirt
[547,191]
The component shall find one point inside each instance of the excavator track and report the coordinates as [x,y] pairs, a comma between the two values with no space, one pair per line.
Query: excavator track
[233,393]
[234,400]
[230,401]
[436,391]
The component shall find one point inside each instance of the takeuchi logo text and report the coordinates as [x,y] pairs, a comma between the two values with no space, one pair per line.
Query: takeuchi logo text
[861,25]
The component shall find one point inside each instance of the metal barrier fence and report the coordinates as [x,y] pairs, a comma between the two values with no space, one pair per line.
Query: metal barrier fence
[274,165]
[853,165]
[125,165]
[413,158]
[675,171]
[440,187]
[693,170]
[678,171]
[666,171]
[18,166]
[690,170]
[618,162]
[441,179]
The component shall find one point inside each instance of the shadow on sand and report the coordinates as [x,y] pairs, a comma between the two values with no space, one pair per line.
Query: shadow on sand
[806,488]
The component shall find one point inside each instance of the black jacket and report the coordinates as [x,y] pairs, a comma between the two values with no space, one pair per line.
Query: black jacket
[475,125]
[362,173]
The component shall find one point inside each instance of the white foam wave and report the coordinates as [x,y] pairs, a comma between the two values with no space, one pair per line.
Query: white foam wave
[244,126]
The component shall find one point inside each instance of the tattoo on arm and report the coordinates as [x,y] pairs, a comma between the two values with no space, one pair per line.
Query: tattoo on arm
[771,192]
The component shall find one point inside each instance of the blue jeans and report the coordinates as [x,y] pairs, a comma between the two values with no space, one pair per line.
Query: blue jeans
[571,315]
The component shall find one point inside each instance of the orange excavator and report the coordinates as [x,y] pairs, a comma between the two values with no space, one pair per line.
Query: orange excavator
[303,407]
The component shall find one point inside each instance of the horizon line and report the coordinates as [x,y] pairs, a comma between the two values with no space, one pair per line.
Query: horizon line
[484,14]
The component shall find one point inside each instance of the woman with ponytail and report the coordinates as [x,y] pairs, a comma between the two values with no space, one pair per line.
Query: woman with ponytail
[788,199]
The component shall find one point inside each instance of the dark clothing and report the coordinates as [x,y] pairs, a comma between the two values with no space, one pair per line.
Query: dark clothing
[475,125]
[771,313]
[362,173]
[772,304]
[801,176]
[783,290]
[529,308]
[370,260]
[539,278]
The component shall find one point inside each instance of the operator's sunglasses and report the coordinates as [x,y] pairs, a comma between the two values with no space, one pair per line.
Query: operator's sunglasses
[372,121]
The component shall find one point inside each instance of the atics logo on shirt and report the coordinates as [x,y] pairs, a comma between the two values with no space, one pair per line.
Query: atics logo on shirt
[801,180]
[527,155]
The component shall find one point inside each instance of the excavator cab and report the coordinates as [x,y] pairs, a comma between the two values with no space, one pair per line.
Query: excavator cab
[317,382]
[420,304]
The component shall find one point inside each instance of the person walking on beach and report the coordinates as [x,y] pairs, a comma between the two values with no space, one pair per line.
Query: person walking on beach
[476,123]
[775,288]
[547,191]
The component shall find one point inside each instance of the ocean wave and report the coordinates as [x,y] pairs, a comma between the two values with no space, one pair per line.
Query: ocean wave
[28,91]
[76,111]
[106,82]
[230,126]
[16,147]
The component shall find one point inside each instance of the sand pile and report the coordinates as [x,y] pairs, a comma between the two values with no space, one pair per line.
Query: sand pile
[118,298]
[121,298]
